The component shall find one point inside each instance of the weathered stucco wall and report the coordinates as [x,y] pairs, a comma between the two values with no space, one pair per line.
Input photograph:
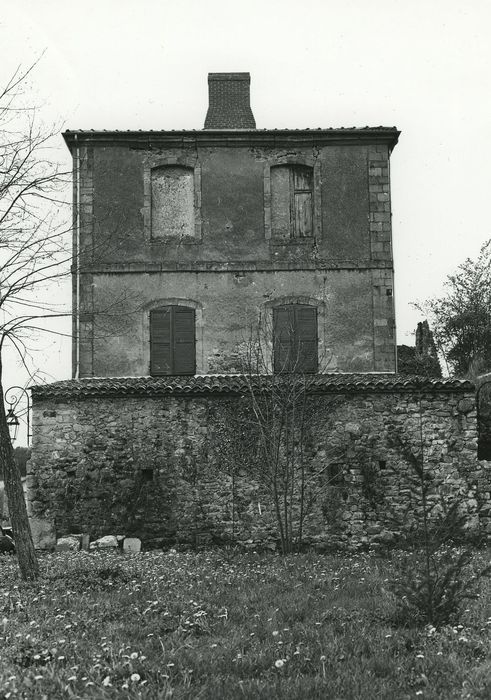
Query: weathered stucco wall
[232,264]
[352,188]
[231,306]
[156,462]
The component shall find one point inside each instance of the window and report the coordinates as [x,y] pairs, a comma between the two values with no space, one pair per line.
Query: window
[172,201]
[172,198]
[172,341]
[291,201]
[295,338]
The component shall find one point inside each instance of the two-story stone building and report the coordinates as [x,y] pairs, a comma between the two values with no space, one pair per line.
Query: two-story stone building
[191,247]
[187,239]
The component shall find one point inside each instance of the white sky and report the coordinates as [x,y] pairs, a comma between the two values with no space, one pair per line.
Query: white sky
[423,66]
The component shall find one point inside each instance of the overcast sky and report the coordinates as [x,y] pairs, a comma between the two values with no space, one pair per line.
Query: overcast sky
[423,66]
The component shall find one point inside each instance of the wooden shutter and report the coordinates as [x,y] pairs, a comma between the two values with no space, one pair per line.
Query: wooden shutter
[172,341]
[306,338]
[302,201]
[160,341]
[184,340]
[303,214]
[295,338]
[283,338]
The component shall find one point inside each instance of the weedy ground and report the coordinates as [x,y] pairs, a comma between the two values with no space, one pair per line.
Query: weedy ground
[224,625]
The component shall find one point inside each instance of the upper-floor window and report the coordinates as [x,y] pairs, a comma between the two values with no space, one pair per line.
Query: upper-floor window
[172,201]
[295,338]
[172,340]
[292,201]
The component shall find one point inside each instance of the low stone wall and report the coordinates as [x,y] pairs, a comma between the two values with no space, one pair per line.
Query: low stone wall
[162,460]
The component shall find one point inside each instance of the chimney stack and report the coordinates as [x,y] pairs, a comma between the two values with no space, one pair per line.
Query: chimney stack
[229,104]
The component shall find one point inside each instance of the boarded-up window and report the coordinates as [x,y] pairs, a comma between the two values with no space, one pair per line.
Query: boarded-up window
[291,201]
[172,341]
[295,338]
[172,201]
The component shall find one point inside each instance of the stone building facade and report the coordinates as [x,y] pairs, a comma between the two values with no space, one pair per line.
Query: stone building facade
[191,250]
[214,230]
[146,457]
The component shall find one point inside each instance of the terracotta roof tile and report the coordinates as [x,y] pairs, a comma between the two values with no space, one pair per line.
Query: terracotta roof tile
[238,384]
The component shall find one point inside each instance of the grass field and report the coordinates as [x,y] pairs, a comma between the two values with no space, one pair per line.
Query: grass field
[227,625]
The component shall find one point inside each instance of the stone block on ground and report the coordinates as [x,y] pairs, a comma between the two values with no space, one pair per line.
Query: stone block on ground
[43,533]
[106,542]
[69,543]
[132,544]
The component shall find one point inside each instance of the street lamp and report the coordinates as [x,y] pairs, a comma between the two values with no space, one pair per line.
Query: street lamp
[13,424]
[13,396]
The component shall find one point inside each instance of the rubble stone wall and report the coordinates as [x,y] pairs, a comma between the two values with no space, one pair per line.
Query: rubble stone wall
[168,469]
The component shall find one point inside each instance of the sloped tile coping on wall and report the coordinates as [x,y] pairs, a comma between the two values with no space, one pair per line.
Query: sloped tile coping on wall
[238,384]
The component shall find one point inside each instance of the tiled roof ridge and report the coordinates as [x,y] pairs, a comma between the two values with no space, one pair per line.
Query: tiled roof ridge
[238,384]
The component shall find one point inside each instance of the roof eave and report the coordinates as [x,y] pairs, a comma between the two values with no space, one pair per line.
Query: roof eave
[149,139]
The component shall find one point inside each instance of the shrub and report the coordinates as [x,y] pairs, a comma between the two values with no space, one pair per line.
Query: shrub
[435,577]
[431,588]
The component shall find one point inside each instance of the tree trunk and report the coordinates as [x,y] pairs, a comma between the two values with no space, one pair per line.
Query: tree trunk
[26,554]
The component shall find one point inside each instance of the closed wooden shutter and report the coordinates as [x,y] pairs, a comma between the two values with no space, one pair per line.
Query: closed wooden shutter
[172,341]
[306,338]
[184,341]
[160,341]
[295,338]
[283,338]
[303,214]
[291,201]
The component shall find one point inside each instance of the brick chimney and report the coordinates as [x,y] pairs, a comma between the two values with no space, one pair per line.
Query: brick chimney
[229,101]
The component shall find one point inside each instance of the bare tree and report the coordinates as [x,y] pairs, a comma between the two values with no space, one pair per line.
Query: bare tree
[35,259]
[33,256]
[274,424]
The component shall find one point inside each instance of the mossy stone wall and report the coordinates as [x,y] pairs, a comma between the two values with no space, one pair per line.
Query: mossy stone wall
[165,470]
